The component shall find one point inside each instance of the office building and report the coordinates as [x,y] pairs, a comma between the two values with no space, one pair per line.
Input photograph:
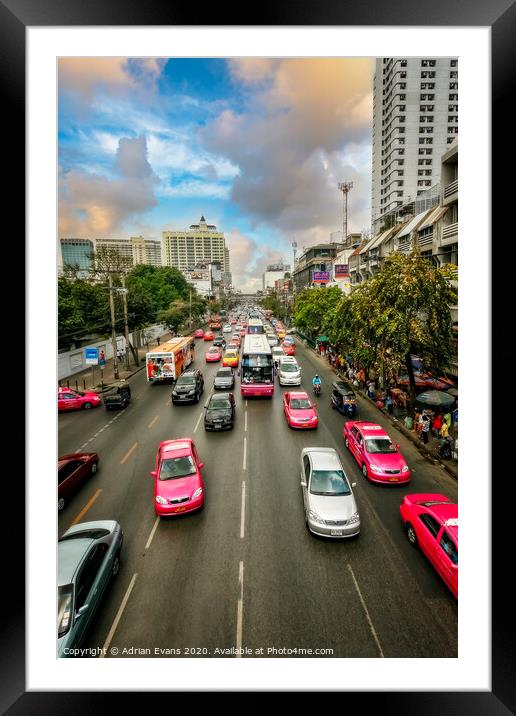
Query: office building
[272,273]
[136,250]
[76,253]
[314,266]
[202,241]
[415,119]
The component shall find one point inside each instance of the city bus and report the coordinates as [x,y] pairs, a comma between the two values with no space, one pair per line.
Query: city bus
[166,362]
[255,326]
[256,369]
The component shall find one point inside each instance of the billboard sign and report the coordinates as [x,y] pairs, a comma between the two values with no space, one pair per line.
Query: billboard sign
[320,276]
[341,270]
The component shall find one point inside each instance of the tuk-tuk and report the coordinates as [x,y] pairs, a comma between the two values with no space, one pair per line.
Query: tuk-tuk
[119,397]
[343,399]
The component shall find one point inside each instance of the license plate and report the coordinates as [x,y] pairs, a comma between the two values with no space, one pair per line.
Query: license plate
[393,479]
[336,533]
[180,509]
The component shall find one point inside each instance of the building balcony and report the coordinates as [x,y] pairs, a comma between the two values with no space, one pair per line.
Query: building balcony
[450,234]
[425,240]
[450,193]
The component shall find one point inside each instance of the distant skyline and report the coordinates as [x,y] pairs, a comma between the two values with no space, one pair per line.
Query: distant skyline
[255,145]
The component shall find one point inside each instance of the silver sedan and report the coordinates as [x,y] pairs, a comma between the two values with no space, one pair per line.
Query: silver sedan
[329,503]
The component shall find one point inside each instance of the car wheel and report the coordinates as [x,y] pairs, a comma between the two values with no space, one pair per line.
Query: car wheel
[94,468]
[411,534]
[60,503]
[364,470]
[115,567]
[86,406]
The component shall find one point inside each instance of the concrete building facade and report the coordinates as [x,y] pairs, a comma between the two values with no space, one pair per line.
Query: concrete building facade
[314,266]
[75,252]
[272,273]
[202,241]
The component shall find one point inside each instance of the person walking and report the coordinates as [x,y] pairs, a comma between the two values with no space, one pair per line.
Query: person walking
[389,404]
[119,355]
[371,390]
[437,424]
[447,419]
[425,429]
[444,430]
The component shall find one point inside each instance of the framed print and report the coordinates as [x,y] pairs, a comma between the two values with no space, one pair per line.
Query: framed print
[211,148]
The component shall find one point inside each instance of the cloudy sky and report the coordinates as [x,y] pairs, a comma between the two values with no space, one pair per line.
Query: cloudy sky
[256,145]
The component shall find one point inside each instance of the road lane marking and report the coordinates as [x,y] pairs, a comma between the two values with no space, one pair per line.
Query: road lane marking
[169,401]
[153,421]
[245,422]
[240,610]
[246,402]
[128,453]
[152,533]
[86,508]
[373,630]
[242,513]
[118,617]
[245,454]
[198,421]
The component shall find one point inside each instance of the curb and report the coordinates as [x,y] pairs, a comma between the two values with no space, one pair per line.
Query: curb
[401,428]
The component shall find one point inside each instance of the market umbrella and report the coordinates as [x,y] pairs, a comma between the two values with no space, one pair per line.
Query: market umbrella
[436,398]
[436,383]
[453,391]
[419,380]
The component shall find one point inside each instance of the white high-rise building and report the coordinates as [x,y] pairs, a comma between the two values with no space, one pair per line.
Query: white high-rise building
[273,273]
[137,249]
[201,242]
[415,118]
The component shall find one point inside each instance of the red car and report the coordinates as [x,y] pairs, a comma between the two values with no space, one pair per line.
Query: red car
[209,336]
[378,457]
[289,349]
[199,333]
[178,484]
[235,338]
[213,355]
[68,399]
[431,523]
[299,411]
[72,471]
[233,321]
[243,332]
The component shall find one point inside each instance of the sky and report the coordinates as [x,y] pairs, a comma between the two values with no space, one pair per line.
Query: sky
[256,145]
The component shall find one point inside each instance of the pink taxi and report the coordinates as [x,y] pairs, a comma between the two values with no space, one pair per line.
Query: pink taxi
[68,399]
[431,523]
[299,411]
[213,355]
[178,484]
[378,457]
[199,333]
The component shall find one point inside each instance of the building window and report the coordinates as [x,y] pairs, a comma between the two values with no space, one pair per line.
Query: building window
[427,75]
[427,63]
[453,63]
[454,85]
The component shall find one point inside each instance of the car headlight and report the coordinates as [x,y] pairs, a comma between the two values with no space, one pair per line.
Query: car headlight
[315,517]
[354,518]
[404,468]
[374,468]
[197,493]
[161,500]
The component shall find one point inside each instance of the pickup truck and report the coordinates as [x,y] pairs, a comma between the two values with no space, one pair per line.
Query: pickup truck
[119,397]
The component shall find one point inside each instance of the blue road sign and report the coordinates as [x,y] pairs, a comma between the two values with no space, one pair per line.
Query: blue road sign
[91,356]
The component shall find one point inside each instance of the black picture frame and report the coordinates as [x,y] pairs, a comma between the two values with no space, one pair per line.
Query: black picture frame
[500,16]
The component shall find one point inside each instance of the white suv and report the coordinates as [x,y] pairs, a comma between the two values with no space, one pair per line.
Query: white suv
[289,372]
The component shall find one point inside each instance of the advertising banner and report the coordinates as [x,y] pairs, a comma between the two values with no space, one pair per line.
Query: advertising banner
[320,276]
[341,270]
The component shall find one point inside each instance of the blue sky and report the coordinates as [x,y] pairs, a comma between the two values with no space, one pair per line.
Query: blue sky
[255,145]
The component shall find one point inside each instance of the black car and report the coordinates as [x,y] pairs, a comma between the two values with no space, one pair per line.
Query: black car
[219,341]
[220,412]
[118,398]
[225,379]
[188,388]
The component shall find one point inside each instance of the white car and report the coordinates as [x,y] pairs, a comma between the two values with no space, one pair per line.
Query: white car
[227,328]
[289,372]
[329,503]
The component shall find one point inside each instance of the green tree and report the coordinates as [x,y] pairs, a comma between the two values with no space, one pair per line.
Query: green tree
[313,306]
[175,316]
[83,308]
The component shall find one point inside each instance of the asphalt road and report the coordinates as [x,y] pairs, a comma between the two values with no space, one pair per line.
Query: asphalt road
[245,572]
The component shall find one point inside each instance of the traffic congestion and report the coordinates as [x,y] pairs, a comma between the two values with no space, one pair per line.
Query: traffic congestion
[306,522]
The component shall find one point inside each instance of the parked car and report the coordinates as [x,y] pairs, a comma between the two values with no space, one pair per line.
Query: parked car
[220,412]
[68,399]
[329,503]
[431,522]
[120,397]
[189,387]
[225,379]
[88,557]
[178,483]
[377,455]
[72,471]
[299,411]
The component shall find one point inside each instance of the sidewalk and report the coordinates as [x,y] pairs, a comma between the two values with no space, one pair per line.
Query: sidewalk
[429,450]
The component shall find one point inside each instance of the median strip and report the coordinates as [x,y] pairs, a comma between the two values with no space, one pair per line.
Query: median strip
[128,453]
[86,508]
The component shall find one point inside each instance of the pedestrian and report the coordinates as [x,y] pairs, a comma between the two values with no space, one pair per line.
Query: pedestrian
[408,422]
[389,404]
[425,429]
[444,430]
[418,422]
[118,355]
[371,390]
[436,425]
[447,419]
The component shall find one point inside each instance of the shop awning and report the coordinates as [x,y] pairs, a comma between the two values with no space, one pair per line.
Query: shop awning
[437,213]
[411,225]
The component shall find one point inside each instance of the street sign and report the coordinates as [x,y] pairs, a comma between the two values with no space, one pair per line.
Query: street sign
[91,356]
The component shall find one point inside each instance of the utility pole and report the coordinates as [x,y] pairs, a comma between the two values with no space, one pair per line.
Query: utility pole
[113,330]
[190,307]
[126,324]
[294,248]
[344,187]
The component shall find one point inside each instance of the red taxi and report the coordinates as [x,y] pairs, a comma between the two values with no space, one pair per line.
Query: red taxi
[299,411]
[178,484]
[209,336]
[213,355]
[68,399]
[431,523]
[289,349]
[376,454]
[199,333]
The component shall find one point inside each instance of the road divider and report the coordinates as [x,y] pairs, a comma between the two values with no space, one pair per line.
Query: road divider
[240,611]
[128,453]
[245,455]
[242,513]
[85,508]
[156,523]
[153,421]
[198,421]
[369,621]
[111,634]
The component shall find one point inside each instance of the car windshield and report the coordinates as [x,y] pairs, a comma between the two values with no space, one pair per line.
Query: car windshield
[380,446]
[329,482]
[64,609]
[300,404]
[186,380]
[289,368]
[224,373]
[172,468]
[219,404]
[214,350]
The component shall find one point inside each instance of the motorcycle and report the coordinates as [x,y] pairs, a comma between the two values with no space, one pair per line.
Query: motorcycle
[317,389]
[445,448]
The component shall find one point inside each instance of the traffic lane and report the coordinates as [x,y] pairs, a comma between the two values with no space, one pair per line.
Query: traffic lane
[294,585]
[190,571]
[375,553]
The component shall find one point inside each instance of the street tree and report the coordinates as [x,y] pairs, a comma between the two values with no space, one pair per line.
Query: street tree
[313,305]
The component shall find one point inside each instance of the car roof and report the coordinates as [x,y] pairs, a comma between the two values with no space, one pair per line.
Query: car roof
[298,395]
[371,430]
[323,458]
[220,395]
[176,448]
[444,512]
[70,554]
